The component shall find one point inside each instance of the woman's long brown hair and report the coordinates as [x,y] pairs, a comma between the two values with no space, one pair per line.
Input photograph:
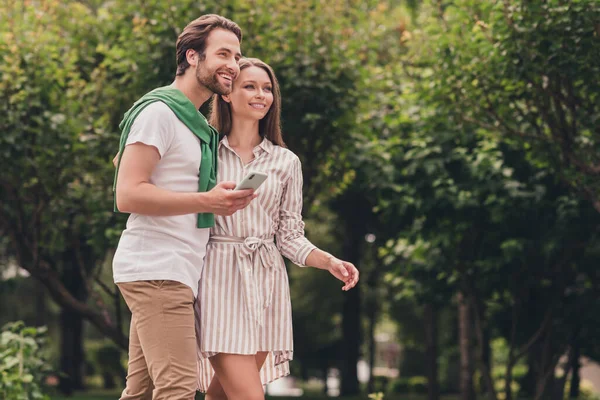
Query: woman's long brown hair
[268,127]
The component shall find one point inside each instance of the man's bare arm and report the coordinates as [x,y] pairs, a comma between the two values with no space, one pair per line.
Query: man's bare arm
[135,193]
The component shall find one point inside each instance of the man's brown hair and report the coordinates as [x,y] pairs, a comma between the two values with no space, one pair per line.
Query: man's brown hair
[194,37]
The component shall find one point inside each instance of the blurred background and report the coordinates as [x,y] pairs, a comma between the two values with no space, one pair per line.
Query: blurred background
[450,150]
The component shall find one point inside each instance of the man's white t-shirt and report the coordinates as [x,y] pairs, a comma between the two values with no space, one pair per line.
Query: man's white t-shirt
[164,248]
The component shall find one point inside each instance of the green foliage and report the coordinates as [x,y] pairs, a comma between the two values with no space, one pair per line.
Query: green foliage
[376,396]
[55,197]
[412,363]
[106,362]
[586,392]
[482,200]
[452,170]
[413,384]
[524,72]
[380,384]
[22,364]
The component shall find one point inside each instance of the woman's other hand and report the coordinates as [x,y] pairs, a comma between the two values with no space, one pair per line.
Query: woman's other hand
[344,271]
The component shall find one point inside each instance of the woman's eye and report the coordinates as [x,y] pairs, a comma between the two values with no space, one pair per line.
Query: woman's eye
[268,89]
[249,87]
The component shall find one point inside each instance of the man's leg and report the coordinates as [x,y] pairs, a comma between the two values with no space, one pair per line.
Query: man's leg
[139,385]
[165,327]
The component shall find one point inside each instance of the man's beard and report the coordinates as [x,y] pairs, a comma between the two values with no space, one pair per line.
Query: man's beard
[210,81]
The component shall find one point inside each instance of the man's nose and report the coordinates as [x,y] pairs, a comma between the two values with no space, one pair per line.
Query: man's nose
[234,67]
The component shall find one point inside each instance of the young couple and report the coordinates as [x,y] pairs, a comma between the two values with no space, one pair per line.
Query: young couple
[199,264]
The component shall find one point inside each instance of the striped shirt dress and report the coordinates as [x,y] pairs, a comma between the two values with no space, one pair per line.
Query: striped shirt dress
[243,304]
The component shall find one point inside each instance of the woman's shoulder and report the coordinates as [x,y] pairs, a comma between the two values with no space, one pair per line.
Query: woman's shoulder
[285,154]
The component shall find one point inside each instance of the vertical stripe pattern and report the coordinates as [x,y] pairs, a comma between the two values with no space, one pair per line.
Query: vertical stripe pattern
[235,280]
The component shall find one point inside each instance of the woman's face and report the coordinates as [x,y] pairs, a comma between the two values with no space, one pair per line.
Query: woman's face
[252,94]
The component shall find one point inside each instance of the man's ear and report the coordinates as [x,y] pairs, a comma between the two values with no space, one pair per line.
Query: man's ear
[192,57]
[226,98]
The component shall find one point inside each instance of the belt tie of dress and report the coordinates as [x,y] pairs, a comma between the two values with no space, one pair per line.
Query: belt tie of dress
[262,253]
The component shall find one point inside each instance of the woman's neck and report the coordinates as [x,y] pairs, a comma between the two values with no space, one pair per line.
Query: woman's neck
[244,134]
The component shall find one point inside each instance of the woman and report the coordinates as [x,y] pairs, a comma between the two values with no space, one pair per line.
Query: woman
[243,312]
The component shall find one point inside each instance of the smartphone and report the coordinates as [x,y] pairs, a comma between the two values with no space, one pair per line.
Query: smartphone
[252,181]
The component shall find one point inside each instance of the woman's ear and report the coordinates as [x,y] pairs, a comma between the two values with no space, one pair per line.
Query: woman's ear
[226,98]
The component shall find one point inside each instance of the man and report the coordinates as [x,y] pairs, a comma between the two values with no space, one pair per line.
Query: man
[166,175]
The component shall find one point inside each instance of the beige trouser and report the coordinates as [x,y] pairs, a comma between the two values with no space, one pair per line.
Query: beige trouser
[162,341]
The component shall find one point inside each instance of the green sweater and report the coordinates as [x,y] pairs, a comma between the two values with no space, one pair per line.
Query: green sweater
[187,113]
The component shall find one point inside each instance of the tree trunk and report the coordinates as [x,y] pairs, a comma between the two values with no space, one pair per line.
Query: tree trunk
[486,356]
[108,380]
[560,383]
[372,307]
[571,366]
[353,210]
[575,378]
[431,343]
[372,315]
[465,343]
[72,356]
[545,380]
[351,311]
[351,343]
[527,383]
[558,388]
[484,352]
[508,378]
[41,311]
[325,373]
[72,362]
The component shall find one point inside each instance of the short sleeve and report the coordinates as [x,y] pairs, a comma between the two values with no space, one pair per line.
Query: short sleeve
[154,127]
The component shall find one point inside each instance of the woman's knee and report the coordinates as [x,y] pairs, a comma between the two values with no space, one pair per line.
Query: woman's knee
[238,376]
[247,394]
[237,393]
[215,391]
[215,395]
[253,395]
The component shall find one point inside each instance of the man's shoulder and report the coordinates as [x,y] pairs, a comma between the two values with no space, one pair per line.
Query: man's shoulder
[158,116]
[155,120]
[156,110]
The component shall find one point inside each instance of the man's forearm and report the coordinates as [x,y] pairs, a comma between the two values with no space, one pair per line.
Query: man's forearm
[148,199]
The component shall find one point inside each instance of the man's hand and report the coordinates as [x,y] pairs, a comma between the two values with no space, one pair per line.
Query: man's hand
[223,200]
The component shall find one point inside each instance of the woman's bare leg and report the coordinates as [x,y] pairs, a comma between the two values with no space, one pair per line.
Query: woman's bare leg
[260,358]
[215,390]
[238,376]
